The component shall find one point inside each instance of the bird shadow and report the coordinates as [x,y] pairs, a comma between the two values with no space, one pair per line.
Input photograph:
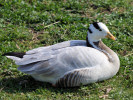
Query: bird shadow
[24,84]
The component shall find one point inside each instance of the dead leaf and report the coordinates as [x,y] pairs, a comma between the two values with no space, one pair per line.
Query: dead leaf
[1,89]
[22,93]
[103,96]
[17,46]
[108,90]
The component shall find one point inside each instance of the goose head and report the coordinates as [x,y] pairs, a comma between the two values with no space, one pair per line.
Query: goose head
[97,31]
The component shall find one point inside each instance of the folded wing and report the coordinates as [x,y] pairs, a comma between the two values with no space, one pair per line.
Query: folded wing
[53,62]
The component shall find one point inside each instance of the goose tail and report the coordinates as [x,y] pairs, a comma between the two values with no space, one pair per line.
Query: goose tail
[16,56]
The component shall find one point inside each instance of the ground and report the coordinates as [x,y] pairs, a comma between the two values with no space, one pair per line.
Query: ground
[27,24]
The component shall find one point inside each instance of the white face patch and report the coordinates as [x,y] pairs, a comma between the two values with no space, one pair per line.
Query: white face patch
[103,27]
[97,31]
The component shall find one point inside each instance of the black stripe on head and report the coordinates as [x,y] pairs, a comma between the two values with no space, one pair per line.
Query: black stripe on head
[90,30]
[95,24]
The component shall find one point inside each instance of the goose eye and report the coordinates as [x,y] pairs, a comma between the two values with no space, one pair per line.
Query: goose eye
[100,30]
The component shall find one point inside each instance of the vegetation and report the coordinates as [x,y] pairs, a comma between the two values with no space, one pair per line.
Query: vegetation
[27,24]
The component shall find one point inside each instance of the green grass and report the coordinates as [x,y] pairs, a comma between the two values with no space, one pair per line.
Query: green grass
[27,24]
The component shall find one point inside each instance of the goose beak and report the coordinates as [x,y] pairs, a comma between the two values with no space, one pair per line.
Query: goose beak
[109,35]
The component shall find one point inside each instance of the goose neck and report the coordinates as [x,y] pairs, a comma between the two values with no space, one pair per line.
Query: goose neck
[99,45]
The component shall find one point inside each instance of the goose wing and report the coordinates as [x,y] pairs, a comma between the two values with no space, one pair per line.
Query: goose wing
[58,46]
[56,63]
[45,53]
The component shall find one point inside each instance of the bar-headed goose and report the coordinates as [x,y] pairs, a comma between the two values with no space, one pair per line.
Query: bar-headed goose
[71,63]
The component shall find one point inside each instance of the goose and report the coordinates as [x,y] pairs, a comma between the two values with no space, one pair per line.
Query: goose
[71,63]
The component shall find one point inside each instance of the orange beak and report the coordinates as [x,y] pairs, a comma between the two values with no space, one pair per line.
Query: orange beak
[109,35]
